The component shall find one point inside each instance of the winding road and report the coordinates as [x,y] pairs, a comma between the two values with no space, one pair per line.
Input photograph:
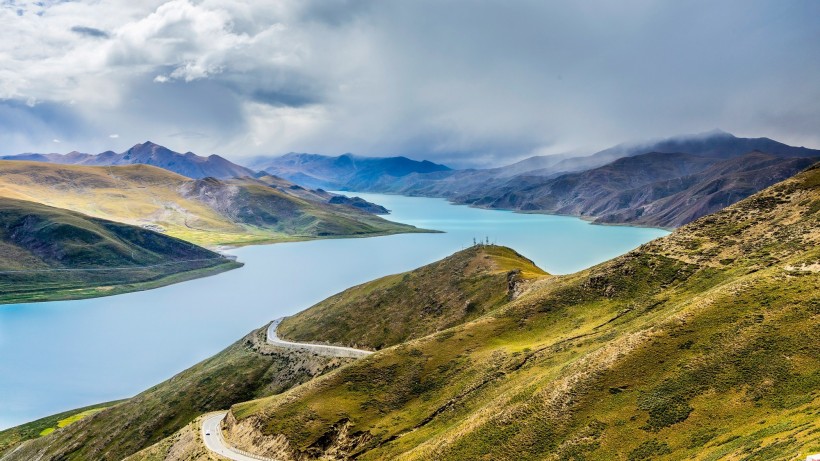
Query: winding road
[319,349]
[212,436]
[212,423]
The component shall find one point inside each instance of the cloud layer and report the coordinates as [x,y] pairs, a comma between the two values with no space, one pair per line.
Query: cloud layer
[459,81]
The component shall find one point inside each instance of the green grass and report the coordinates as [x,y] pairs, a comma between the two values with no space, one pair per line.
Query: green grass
[71,419]
[415,303]
[47,425]
[245,370]
[51,254]
[664,353]
[207,212]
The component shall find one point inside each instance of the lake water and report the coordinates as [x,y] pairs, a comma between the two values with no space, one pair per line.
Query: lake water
[62,355]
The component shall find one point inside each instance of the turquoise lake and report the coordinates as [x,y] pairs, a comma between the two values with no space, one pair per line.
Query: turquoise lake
[62,355]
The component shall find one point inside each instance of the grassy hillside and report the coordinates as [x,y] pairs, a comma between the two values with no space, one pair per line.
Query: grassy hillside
[47,425]
[399,307]
[49,253]
[245,370]
[697,345]
[205,211]
[250,368]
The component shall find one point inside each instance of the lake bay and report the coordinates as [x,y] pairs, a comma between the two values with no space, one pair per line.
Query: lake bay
[62,355]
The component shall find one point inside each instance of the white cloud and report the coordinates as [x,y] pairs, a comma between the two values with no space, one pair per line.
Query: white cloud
[113,136]
[462,81]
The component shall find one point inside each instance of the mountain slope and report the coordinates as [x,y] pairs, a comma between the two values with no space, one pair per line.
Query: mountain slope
[656,189]
[416,303]
[49,253]
[205,211]
[694,345]
[148,153]
[250,368]
[488,185]
[348,172]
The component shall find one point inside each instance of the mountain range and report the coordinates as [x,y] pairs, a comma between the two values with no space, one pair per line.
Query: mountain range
[148,153]
[206,211]
[349,172]
[695,345]
[663,183]
[653,189]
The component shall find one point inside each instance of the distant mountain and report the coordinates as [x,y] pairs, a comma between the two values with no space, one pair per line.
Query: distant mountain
[205,211]
[457,184]
[657,189]
[48,253]
[715,143]
[148,153]
[348,172]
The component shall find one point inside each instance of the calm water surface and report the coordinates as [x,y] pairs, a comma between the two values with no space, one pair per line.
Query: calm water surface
[62,355]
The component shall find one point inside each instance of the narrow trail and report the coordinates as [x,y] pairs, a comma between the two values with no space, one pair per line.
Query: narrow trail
[212,424]
[319,349]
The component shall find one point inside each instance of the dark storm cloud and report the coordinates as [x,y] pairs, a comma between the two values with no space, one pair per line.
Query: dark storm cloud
[90,32]
[470,83]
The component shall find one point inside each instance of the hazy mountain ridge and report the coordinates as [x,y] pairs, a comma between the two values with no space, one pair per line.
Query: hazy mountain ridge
[346,171]
[543,184]
[148,153]
[657,189]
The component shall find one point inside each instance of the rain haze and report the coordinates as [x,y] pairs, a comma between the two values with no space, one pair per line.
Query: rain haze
[467,83]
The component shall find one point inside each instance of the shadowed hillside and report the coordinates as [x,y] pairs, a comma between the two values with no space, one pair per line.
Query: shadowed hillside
[48,253]
[655,189]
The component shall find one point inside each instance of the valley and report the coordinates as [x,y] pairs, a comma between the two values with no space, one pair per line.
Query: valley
[628,350]
[181,324]
[336,230]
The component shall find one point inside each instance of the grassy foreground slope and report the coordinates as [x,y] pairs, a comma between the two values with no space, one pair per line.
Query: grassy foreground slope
[247,369]
[393,309]
[49,253]
[698,345]
[250,368]
[205,211]
[44,426]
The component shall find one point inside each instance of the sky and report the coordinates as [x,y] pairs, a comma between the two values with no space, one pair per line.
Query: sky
[467,83]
